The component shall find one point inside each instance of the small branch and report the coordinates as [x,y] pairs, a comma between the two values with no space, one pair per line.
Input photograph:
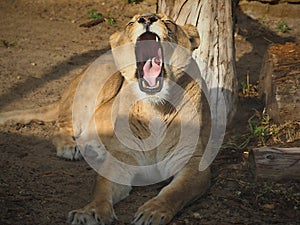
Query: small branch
[92,23]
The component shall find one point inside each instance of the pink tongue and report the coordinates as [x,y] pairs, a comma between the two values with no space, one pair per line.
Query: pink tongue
[152,69]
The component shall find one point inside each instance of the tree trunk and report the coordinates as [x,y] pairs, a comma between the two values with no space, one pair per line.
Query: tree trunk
[280,82]
[215,57]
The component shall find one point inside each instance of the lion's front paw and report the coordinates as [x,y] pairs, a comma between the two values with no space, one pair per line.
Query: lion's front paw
[153,212]
[69,152]
[92,214]
[66,147]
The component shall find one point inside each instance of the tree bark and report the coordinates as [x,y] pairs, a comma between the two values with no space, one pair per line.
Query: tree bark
[216,53]
[215,57]
[280,82]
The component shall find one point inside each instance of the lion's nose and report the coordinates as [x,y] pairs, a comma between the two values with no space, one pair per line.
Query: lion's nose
[147,19]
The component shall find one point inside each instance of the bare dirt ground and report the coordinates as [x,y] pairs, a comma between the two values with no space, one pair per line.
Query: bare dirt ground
[42,48]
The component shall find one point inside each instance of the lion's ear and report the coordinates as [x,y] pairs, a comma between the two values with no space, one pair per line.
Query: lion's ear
[114,38]
[193,34]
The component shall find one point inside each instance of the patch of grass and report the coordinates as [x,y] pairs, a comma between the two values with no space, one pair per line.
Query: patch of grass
[285,133]
[283,27]
[263,130]
[268,132]
[112,22]
[8,44]
[241,141]
[93,14]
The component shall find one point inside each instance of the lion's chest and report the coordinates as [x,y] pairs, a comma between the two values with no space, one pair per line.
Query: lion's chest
[146,132]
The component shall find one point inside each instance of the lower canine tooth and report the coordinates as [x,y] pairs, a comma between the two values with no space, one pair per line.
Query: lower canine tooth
[144,84]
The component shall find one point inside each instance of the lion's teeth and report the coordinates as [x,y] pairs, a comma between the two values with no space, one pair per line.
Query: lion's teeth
[156,39]
[157,84]
[144,84]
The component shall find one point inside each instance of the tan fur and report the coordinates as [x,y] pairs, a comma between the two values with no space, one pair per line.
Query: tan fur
[189,183]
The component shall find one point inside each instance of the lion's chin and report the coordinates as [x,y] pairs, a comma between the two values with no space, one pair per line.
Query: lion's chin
[154,97]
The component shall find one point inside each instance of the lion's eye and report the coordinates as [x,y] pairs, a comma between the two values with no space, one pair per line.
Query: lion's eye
[168,21]
[130,23]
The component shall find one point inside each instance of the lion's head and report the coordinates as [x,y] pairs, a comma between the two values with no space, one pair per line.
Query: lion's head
[150,49]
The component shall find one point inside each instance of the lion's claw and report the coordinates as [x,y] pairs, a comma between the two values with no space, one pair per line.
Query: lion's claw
[89,215]
[69,152]
[77,218]
[154,213]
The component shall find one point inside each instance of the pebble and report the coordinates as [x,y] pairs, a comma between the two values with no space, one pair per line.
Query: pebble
[197,215]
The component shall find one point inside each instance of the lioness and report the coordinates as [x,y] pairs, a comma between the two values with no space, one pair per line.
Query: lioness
[160,79]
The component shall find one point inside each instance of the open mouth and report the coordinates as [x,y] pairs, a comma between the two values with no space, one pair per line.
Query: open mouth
[149,58]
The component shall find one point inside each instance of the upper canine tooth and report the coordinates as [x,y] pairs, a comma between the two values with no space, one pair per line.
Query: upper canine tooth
[157,84]
[156,39]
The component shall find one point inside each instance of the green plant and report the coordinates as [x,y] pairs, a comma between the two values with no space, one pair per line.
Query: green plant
[248,90]
[112,21]
[260,127]
[283,27]
[93,14]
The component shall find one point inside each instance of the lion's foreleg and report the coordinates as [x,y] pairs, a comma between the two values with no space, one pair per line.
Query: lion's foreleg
[64,140]
[66,146]
[100,209]
[186,187]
